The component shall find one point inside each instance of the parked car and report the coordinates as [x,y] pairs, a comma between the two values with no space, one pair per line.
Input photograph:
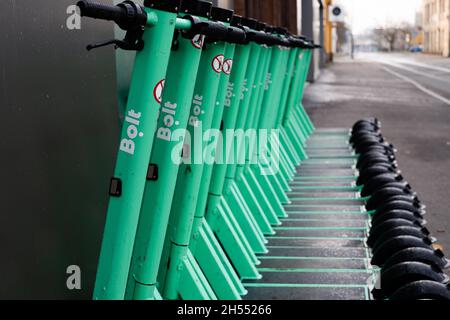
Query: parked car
[416,49]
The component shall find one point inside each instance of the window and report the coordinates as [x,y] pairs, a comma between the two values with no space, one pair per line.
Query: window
[427,13]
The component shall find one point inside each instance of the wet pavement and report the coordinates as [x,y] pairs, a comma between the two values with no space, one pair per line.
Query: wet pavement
[410,94]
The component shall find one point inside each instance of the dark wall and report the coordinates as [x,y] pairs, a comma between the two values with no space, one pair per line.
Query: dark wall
[281,13]
[58,143]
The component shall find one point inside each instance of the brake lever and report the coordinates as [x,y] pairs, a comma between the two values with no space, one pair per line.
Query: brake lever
[132,41]
[103,44]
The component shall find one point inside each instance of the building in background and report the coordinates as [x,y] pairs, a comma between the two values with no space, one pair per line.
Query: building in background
[436,25]
[417,36]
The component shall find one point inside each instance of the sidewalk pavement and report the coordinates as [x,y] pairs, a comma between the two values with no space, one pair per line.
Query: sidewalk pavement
[415,121]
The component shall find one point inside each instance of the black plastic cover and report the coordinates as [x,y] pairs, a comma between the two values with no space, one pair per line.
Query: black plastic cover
[249,23]
[414,231]
[389,248]
[396,214]
[222,15]
[236,20]
[425,255]
[397,276]
[379,229]
[399,205]
[422,290]
[164,5]
[197,8]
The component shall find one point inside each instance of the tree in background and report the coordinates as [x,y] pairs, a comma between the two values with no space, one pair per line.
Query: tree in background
[393,38]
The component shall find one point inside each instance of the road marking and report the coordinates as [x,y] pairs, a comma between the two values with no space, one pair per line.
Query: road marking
[392,64]
[419,86]
[426,66]
[405,61]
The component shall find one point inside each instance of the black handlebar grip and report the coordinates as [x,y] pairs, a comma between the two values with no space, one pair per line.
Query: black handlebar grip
[261,37]
[236,35]
[128,15]
[220,32]
[214,31]
[100,11]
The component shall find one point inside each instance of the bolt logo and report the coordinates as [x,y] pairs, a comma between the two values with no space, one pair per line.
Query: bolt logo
[217,63]
[158,90]
[198,41]
[196,111]
[268,81]
[227,66]
[168,113]
[229,95]
[244,89]
[127,145]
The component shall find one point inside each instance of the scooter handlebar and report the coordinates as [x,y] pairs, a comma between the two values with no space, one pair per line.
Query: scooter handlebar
[100,11]
[126,14]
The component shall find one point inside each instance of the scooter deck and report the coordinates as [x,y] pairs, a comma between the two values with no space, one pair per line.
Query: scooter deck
[319,251]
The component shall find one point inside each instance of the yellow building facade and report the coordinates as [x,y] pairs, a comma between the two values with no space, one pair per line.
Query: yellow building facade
[436,25]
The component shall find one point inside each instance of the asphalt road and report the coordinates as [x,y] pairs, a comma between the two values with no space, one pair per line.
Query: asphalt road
[410,94]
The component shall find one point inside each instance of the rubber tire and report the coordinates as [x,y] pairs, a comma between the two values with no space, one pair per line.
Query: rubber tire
[424,255]
[389,248]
